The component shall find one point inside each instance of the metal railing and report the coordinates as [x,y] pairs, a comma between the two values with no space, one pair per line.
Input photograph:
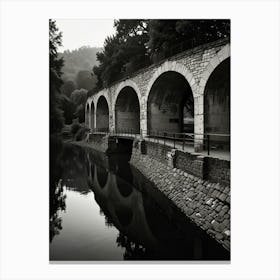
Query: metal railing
[183,141]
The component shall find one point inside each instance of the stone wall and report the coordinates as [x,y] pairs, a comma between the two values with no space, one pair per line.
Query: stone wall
[158,151]
[212,169]
[191,163]
[217,170]
[204,203]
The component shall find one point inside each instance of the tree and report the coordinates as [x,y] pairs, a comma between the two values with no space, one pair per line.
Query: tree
[68,107]
[85,80]
[67,88]
[167,35]
[123,53]
[55,65]
[83,58]
[79,96]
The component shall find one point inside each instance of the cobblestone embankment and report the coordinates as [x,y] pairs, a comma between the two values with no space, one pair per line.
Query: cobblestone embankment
[207,204]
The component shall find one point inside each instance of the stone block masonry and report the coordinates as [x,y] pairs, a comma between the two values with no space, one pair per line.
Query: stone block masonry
[205,203]
[190,163]
[217,170]
[205,167]
[158,151]
[194,65]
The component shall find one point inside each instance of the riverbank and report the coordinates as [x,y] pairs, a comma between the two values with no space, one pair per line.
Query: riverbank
[201,201]
[205,203]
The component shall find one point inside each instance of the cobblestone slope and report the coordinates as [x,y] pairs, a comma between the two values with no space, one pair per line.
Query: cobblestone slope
[206,204]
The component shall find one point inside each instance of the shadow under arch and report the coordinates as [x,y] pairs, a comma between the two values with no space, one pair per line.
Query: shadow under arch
[170,104]
[127,111]
[102,114]
[102,176]
[217,105]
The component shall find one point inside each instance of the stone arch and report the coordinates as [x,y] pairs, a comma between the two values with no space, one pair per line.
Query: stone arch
[126,107]
[222,55]
[168,66]
[174,67]
[102,113]
[216,97]
[165,110]
[122,85]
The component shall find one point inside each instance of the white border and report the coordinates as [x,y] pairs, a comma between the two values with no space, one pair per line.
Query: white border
[255,138]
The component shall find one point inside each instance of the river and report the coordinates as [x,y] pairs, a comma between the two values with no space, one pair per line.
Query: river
[104,209]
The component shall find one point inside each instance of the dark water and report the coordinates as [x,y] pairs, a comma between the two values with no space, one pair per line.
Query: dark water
[104,209]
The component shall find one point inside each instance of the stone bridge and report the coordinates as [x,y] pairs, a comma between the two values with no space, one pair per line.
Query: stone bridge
[189,92]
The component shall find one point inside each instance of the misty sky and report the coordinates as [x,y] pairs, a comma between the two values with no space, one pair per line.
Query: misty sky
[84,32]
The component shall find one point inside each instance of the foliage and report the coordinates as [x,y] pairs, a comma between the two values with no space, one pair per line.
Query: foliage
[165,35]
[77,80]
[68,87]
[68,107]
[137,43]
[55,66]
[83,58]
[85,79]
[79,96]
[75,127]
[81,134]
[80,113]
[123,53]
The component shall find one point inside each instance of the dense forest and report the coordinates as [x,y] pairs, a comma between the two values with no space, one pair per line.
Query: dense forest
[82,59]
[70,80]
[78,79]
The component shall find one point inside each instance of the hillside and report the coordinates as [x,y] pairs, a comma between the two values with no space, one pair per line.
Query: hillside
[82,59]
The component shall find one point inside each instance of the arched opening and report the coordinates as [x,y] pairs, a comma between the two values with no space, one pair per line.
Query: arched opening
[124,187]
[92,113]
[127,111]
[87,115]
[102,115]
[217,105]
[170,105]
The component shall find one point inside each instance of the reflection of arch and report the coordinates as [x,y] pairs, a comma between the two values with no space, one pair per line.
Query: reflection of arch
[92,115]
[127,110]
[102,114]
[170,104]
[101,176]
[124,215]
[124,187]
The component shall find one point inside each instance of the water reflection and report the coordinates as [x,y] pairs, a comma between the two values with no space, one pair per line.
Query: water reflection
[140,223]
